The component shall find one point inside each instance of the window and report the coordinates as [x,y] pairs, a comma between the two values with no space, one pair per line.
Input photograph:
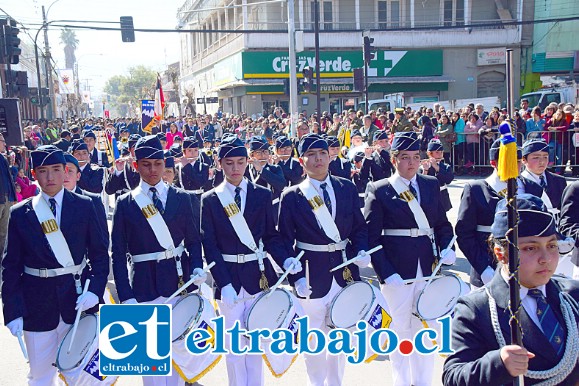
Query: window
[389,14]
[452,12]
[326,16]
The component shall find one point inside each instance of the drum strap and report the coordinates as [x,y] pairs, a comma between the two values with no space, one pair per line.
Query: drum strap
[419,216]
[500,187]
[544,195]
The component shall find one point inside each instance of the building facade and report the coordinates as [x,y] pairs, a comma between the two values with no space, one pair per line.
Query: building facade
[426,51]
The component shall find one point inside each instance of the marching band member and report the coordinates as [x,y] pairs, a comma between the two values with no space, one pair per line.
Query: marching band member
[404,210]
[377,165]
[357,144]
[159,265]
[192,171]
[536,179]
[435,166]
[97,157]
[358,178]
[51,239]
[329,234]
[292,170]
[569,221]
[548,318]
[475,217]
[237,225]
[124,178]
[91,176]
[338,167]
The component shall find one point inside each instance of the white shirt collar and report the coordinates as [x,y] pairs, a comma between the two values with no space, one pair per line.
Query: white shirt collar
[242,185]
[317,183]
[408,182]
[524,291]
[161,187]
[536,177]
[58,197]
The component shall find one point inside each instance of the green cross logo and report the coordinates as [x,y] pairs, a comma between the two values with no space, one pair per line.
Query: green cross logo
[384,62]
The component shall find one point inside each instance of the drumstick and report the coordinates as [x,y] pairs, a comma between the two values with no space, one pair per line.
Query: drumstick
[78,312]
[353,259]
[438,266]
[408,281]
[282,277]
[22,346]
[189,282]
[308,277]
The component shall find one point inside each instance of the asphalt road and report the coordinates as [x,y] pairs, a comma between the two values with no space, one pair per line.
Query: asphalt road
[14,368]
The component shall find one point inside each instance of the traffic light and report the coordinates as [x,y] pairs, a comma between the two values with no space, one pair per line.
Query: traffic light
[308,73]
[358,79]
[11,42]
[286,86]
[127,29]
[368,48]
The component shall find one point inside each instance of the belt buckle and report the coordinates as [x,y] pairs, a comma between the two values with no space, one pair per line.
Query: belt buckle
[240,258]
[168,254]
[332,247]
[414,232]
[43,273]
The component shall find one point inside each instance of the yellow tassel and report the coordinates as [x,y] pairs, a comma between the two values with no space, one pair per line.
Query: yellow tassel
[508,166]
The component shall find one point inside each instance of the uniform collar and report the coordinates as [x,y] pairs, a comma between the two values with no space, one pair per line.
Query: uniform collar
[161,187]
[58,197]
[523,291]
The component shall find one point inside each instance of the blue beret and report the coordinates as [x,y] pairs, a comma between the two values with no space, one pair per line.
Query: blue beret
[534,218]
[70,159]
[332,141]
[311,141]
[190,143]
[125,150]
[169,159]
[149,147]
[77,144]
[407,140]
[162,136]
[533,145]
[47,155]
[231,146]
[124,130]
[356,133]
[435,145]
[89,134]
[494,151]
[282,141]
[359,156]
[175,151]
[380,134]
[258,143]
[133,138]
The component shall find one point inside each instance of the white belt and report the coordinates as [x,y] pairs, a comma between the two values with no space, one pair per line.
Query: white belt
[276,201]
[322,248]
[54,272]
[241,258]
[158,256]
[484,228]
[554,210]
[443,187]
[414,232]
[362,195]
[198,191]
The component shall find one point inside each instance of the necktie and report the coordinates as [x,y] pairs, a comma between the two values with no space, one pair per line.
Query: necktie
[237,197]
[327,200]
[52,202]
[413,191]
[157,201]
[551,327]
[543,182]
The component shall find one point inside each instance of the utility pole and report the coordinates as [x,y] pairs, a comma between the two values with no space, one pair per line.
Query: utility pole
[317,44]
[47,66]
[293,81]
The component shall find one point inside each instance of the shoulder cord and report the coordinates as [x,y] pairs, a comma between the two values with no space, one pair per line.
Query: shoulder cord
[570,357]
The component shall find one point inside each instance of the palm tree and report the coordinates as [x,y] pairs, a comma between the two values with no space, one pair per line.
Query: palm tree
[68,38]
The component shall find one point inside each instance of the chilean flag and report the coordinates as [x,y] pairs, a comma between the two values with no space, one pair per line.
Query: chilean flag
[159,100]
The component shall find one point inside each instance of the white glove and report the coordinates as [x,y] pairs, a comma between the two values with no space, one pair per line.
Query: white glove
[86,301]
[292,265]
[16,326]
[362,260]
[448,256]
[394,280]
[302,288]
[131,301]
[487,275]
[199,276]
[228,295]
[566,246]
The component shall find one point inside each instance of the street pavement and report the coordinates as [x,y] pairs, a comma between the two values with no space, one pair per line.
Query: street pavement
[14,368]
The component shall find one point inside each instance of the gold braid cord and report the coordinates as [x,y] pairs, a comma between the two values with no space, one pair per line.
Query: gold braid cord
[347,275]
[514,274]
[263,283]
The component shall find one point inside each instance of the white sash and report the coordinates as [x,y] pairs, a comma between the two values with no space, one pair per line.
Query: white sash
[236,219]
[51,231]
[321,211]
[500,187]
[154,218]
[401,188]
[179,172]
[544,195]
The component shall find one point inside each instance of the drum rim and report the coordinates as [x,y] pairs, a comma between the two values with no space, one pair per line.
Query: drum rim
[417,313]
[331,306]
[264,293]
[195,320]
[57,362]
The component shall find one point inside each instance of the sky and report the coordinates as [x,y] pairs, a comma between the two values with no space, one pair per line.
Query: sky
[102,54]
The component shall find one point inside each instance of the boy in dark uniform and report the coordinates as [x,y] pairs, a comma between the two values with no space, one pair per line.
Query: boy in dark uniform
[339,167]
[292,170]
[124,178]
[91,176]
[377,165]
[192,171]
[435,166]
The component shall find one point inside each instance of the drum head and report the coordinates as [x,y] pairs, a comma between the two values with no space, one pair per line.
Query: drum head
[270,312]
[439,298]
[186,313]
[86,333]
[351,304]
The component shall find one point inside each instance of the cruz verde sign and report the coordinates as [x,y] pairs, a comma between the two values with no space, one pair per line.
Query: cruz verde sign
[339,64]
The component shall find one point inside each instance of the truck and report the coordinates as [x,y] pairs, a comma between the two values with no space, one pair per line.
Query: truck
[567,93]
[397,100]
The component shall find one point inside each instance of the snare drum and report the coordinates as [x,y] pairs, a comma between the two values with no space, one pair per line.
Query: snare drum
[190,312]
[279,310]
[439,297]
[80,367]
[358,301]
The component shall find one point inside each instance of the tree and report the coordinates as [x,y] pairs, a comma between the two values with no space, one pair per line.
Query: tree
[70,42]
[128,90]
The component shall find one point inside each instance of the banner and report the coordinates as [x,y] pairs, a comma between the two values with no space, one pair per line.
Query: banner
[86,97]
[147,115]
[66,81]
